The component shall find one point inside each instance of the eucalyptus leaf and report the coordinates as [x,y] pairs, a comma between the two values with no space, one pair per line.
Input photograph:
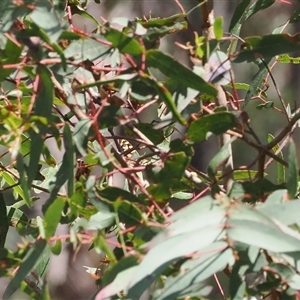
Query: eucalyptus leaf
[217,123]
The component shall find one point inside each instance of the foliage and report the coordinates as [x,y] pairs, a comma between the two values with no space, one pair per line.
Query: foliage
[92,95]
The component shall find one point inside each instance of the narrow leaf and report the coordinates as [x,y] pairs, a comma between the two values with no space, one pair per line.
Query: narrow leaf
[280,167]
[65,172]
[53,216]
[236,20]
[218,159]
[217,123]
[81,132]
[292,171]
[166,97]
[11,55]
[176,71]
[31,260]
[256,81]
[85,49]
[245,225]
[218,27]
[158,258]
[111,193]
[160,22]
[12,182]
[43,107]
[286,212]
[267,46]
[23,180]
[119,284]
[195,271]
[4,224]
[123,42]
[286,59]
[257,6]
[49,22]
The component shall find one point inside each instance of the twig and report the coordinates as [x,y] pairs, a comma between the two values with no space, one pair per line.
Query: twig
[285,131]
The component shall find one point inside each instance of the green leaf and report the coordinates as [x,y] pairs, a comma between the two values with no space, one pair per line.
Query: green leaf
[153,35]
[292,171]
[183,221]
[218,28]
[123,42]
[268,46]
[111,193]
[280,167]
[159,257]
[43,108]
[43,263]
[53,216]
[236,20]
[4,222]
[92,195]
[12,182]
[195,271]
[49,22]
[266,105]
[9,12]
[257,6]
[183,195]
[286,59]
[69,158]
[216,123]
[165,96]
[241,13]
[159,22]
[23,180]
[285,212]
[257,189]
[86,49]
[237,285]
[32,259]
[57,247]
[218,159]
[278,196]
[257,81]
[175,164]
[65,172]
[239,86]
[81,132]
[182,96]
[105,120]
[124,264]
[245,225]
[16,217]
[10,55]
[177,145]
[120,79]
[119,284]
[129,213]
[156,136]
[100,220]
[177,72]
[76,9]
[243,174]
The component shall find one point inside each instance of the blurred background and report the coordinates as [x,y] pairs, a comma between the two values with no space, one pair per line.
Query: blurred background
[68,278]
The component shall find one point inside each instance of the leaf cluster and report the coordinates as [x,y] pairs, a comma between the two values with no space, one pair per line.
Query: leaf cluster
[110,101]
